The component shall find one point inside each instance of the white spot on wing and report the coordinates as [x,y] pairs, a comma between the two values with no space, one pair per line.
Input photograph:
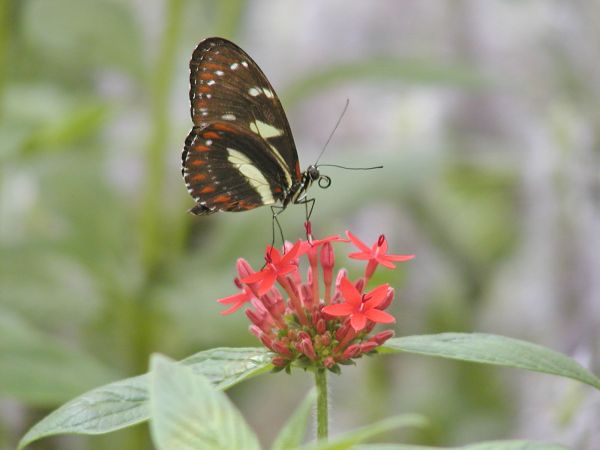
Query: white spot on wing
[265,130]
[254,176]
[228,117]
[219,72]
[253,91]
[210,82]
[234,66]
[245,64]
[268,93]
[209,142]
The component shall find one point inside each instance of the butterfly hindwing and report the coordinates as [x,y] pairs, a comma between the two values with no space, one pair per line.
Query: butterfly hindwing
[227,169]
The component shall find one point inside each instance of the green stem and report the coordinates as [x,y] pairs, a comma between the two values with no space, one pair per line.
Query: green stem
[4,35]
[322,406]
[152,233]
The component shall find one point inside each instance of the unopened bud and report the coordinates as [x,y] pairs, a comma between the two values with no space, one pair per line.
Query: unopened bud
[351,352]
[383,336]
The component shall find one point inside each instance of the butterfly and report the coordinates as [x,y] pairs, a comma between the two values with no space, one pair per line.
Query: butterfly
[240,153]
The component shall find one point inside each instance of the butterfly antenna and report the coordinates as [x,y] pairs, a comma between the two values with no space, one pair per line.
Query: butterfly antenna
[333,131]
[350,168]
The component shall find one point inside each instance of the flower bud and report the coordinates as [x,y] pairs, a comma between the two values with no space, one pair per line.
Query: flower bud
[308,349]
[368,346]
[351,352]
[255,317]
[329,362]
[327,256]
[244,269]
[321,326]
[360,284]
[266,341]
[278,361]
[388,299]
[325,339]
[342,273]
[303,335]
[256,331]
[383,336]
[279,347]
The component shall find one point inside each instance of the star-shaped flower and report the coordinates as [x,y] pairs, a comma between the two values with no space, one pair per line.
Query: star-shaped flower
[377,254]
[360,307]
[276,266]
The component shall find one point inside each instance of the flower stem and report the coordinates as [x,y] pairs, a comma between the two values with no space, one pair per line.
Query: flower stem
[322,406]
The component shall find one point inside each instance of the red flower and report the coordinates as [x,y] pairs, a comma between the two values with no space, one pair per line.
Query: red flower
[360,307]
[276,266]
[321,320]
[376,254]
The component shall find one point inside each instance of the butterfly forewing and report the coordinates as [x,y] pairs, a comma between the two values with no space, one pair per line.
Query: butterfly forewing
[228,87]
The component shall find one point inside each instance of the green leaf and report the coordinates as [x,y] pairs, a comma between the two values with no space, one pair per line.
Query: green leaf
[493,349]
[415,71]
[490,445]
[293,431]
[41,370]
[125,402]
[187,413]
[352,438]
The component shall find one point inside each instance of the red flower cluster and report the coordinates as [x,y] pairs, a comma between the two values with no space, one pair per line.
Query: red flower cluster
[307,328]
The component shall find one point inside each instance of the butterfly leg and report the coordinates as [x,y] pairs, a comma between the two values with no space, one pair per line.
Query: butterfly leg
[309,204]
[275,211]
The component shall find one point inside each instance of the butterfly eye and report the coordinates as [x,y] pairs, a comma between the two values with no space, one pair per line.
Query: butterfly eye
[313,172]
[324,181]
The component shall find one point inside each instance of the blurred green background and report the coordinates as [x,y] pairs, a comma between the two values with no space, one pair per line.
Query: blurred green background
[484,114]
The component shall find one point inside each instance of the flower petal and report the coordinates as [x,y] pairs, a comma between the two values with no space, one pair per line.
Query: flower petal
[339,309]
[234,298]
[255,277]
[358,255]
[350,293]
[291,254]
[360,244]
[379,316]
[358,321]
[399,257]
[385,263]
[376,296]
[267,282]
[237,301]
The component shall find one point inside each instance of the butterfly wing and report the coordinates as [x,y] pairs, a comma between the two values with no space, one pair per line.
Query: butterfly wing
[227,169]
[230,92]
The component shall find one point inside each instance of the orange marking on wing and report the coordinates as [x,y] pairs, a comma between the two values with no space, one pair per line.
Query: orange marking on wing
[210,135]
[207,189]
[298,174]
[206,76]
[198,162]
[204,89]
[212,66]
[223,198]
[242,204]
[277,189]
[200,148]
[199,177]
[199,104]
[224,127]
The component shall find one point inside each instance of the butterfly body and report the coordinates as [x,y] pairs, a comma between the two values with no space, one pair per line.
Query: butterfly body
[240,154]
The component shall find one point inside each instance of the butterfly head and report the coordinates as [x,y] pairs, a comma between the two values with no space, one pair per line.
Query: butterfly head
[313,174]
